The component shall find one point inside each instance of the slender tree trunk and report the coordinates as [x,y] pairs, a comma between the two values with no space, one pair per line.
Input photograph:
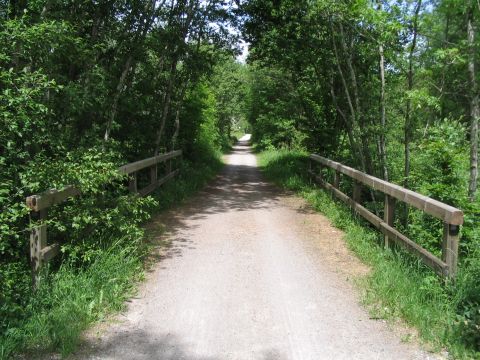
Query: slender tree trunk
[146,21]
[177,128]
[353,117]
[116,98]
[166,106]
[383,115]
[177,114]
[408,124]
[444,65]
[474,104]
[356,98]
[173,71]
[348,128]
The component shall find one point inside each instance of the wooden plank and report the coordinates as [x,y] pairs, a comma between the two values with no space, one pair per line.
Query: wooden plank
[133,183]
[151,187]
[433,207]
[168,166]
[450,248]
[357,192]
[428,259]
[38,240]
[49,252]
[370,217]
[389,214]
[50,197]
[153,174]
[142,164]
[336,180]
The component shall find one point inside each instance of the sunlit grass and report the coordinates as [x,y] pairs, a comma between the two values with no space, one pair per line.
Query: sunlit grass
[398,286]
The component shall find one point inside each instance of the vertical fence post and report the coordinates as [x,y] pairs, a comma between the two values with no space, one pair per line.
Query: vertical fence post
[38,241]
[357,192]
[389,215]
[336,179]
[168,166]
[320,172]
[450,248]
[153,174]
[132,185]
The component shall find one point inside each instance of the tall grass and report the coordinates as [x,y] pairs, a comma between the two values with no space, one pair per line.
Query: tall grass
[398,286]
[71,299]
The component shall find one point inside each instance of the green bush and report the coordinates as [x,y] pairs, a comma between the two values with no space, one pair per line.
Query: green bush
[100,231]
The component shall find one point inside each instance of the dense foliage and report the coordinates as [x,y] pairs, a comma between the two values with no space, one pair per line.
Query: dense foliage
[84,88]
[389,87]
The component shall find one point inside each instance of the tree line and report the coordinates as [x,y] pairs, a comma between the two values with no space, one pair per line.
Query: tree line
[372,69]
[388,87]
[86,86]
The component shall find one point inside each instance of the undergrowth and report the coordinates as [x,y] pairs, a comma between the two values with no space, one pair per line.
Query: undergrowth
[72,297]
[398,285]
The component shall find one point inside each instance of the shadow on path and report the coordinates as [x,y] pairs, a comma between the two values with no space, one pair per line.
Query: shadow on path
[161,347]
[236,188]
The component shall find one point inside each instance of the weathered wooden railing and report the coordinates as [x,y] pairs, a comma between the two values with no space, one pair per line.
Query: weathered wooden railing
[452,218]
[40,251]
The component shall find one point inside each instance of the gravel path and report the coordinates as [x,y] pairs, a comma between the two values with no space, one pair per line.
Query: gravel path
[250,273]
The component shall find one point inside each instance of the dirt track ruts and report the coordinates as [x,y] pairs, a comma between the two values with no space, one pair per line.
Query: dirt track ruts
[250,273]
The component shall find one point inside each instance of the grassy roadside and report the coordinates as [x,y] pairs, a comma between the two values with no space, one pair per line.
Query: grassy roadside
[71,299]
[398,287]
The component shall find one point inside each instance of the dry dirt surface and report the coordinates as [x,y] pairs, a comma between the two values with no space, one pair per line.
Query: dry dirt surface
[250,273]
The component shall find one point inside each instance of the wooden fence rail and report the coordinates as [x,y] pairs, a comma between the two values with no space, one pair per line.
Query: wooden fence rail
[452,218]
[40,251]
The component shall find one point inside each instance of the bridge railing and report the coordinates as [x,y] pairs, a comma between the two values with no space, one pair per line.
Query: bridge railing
[40,251]
[452,217]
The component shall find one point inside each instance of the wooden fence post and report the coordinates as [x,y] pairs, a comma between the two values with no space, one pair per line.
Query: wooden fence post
[450,248]
[153,174]
[132,185]
[168,166]
[451,217]
[336,179]
[357,192]
[38,241]
[320,172]
[389,214]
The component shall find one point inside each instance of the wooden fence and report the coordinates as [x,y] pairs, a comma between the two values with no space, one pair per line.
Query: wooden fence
[452,218]
[40,251]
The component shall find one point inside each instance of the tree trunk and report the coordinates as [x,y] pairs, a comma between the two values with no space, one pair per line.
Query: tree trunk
[368,168]
[358,151]
[166,106]
[146,22]
[444,65]
[474,104]
[381,146]
[116,98]
[408,125]
[173,71]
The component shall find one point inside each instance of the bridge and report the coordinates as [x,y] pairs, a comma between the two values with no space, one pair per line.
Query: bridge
[252,272]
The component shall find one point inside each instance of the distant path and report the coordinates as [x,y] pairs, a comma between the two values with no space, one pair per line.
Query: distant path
[251,273]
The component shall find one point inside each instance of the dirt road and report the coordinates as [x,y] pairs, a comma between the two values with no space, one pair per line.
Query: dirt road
[251,273]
